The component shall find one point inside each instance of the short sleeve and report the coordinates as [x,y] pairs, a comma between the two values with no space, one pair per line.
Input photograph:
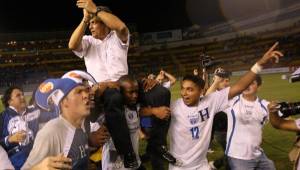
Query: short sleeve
[120,42]
[85,43]
[220,98]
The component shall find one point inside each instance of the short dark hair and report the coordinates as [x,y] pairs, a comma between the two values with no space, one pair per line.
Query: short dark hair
[195,79]
[126,78]
[258,80]
[7,95]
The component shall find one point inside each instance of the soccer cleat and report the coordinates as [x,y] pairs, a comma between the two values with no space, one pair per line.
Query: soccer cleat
[167,156]
[130,161]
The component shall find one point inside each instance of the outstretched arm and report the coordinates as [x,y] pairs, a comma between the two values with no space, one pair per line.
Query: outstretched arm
[109,19]
[250,76]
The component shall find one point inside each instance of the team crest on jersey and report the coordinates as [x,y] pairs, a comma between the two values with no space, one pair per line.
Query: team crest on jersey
[194,118]
[130,115]
[46,87]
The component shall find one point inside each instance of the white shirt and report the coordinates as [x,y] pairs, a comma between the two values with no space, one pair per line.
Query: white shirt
[4,161]
[190,129]
[298,166]
[167,84]
[110,159]
[105,60]
[245,122]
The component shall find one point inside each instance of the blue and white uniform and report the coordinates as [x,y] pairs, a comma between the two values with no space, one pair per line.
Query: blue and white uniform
[190,129]
[245,122]
[110,159]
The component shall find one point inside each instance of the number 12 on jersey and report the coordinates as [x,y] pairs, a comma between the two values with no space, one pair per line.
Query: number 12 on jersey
[195,132]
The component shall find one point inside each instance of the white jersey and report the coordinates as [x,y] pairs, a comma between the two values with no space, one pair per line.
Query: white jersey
[110,159]
[190,129]
[245,122]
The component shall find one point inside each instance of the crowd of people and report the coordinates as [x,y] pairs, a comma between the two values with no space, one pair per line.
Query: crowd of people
[107,110]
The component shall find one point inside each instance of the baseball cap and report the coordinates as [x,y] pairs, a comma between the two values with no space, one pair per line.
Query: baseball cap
[52,91]
[222,73]
[80,76]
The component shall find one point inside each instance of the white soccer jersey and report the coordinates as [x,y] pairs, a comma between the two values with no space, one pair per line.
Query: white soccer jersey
[190,129]
[110,159]
[245,122]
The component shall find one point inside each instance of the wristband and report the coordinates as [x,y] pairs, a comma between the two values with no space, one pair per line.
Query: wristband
[256,68]
[99,9]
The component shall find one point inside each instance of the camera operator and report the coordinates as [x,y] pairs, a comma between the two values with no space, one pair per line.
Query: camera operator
[289,125]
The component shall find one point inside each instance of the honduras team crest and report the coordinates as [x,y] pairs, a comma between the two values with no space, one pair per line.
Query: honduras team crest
[130,115]
[194,118]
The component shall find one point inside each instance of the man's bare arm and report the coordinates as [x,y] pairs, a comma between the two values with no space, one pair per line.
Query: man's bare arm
[250,76]
[280,123]
[76,37]
[110,20]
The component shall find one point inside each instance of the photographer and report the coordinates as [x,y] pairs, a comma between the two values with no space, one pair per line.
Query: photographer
[289,125]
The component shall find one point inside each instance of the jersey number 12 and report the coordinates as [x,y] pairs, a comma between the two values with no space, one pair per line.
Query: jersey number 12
[195,132]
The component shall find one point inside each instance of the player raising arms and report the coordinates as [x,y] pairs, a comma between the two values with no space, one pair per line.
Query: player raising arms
[192,116]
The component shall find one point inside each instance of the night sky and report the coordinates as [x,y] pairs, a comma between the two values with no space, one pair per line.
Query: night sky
[148,15]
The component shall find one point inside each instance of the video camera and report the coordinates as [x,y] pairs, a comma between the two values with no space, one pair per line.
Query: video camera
[288,109]
[207,61]
[294,78]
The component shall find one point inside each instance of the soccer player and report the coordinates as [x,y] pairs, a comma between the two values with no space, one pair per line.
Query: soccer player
[221,80]
[246,117]
[192,116]
[110,157]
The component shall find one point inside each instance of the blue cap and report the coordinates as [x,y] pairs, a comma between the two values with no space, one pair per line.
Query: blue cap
[52,91]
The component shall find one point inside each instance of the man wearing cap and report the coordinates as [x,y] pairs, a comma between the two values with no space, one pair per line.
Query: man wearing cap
[68,134]
[221,81]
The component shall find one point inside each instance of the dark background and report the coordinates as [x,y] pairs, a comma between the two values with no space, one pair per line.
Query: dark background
[148,15]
